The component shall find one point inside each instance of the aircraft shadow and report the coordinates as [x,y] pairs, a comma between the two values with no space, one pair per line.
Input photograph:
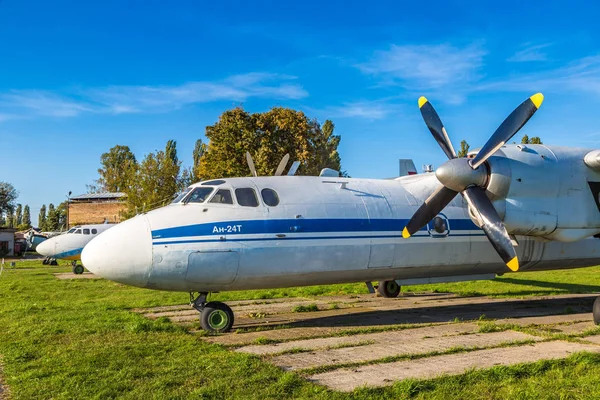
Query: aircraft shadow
[567,287]
[448,313]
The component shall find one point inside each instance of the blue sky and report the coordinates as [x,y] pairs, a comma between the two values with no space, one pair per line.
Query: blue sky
[77,78]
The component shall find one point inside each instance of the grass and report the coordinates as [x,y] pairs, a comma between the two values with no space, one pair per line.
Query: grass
[65,339]
[306,308]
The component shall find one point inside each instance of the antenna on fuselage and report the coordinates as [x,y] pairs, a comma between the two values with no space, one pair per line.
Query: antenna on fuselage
[294,168]
[282,165]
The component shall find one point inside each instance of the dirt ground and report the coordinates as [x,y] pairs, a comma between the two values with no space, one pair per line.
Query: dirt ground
[364,340]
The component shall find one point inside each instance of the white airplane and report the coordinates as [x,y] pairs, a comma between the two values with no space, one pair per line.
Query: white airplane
[68,246]
[284,231]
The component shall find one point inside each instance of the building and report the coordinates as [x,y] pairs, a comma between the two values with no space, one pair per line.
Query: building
[7,242]
[95,208]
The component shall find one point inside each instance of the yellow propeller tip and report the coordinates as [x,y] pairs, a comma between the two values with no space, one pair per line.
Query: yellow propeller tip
[422,100]
[405,233]
[513,264]
[537,99]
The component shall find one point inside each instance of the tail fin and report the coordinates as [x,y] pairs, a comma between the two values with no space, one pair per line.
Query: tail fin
[407,167]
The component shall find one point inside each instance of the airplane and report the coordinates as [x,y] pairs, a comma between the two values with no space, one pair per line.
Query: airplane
[68,246]
[521,208]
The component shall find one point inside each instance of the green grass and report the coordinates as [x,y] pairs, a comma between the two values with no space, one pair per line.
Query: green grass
[306,308]
[78,339]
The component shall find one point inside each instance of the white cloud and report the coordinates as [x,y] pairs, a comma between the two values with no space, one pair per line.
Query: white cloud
[362,109]
[427,67]
[140,99]
[530,53]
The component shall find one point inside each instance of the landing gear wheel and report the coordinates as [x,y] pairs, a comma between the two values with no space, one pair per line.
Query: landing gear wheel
[388,289]
[45,262]
[78,269]
[53,262]
[596,311]
[216,317]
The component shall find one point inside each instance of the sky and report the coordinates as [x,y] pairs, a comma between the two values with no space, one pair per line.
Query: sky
[77,78]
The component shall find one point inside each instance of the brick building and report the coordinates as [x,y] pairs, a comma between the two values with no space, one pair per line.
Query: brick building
[95,208]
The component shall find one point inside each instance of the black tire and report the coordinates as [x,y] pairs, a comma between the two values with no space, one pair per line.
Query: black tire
[78,269]
[389,289]
[216,317]
[596,311]
[53,262]
[45,262]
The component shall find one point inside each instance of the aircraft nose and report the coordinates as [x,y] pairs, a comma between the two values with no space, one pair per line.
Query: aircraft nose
[46,248]
[122,253]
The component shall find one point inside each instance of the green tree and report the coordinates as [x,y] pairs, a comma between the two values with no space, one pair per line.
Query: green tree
[268,137]
[464,149]
[11,219]
[61,215]
[8,196]
[199,150]
[534,140]
[52,220]
[26,217]
[42,218]
[117,171]
[157,181]
[19,215]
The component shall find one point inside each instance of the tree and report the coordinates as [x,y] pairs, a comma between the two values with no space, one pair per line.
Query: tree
[19,215]
[117,171]
[11,219]
[52,222]
[268,137]
[199,150]
[42,218]
[157,180]
[26,217]
[8,195]
[464,149]
[533,140]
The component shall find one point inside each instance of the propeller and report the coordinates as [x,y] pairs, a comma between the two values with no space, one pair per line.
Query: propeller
[282,164]
[469,177]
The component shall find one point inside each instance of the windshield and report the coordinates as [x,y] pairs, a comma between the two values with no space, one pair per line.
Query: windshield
[181,195]
[71,230]
[199,195]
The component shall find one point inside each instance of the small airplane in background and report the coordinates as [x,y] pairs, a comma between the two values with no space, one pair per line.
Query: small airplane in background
[285,231]
[68,246]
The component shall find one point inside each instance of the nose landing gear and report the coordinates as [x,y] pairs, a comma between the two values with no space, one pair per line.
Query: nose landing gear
[214,316]
[388,289]
[77,269]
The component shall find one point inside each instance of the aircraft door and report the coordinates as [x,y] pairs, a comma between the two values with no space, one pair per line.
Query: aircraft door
[380,216]
[213,267]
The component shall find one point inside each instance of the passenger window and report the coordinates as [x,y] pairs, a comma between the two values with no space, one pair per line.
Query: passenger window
[94,231]
[270,197]
[246,197]
[199,195]
[78,231]
[86,231]
[223,196]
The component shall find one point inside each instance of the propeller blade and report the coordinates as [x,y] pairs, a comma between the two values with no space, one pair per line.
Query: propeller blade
[282,165]
[294,168]
[434,123]
[428,210]
[511,125]
[251,164]
[492,225]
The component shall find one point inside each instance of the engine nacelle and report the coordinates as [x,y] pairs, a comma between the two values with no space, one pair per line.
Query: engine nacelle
[546,192]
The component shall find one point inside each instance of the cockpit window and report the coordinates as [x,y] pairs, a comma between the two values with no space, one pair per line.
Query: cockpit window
[223,196]
[270,197]
[181,195]
[215,182]
[94,231]
[71,230]
[86,231]
[78,231]
[199,195]
[246,197]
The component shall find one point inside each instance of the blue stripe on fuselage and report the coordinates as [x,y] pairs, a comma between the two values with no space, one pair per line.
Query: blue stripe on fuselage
[69,253]
[272,226]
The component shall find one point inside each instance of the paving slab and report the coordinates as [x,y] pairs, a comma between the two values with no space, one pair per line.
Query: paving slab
[348,379]
[4,395]
[402,344]
[356,340]
[592,339]
[70,275]
[547,319]
[573,329]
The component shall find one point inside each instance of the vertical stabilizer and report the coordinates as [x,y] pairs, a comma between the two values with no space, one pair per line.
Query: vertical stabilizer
[407,167]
